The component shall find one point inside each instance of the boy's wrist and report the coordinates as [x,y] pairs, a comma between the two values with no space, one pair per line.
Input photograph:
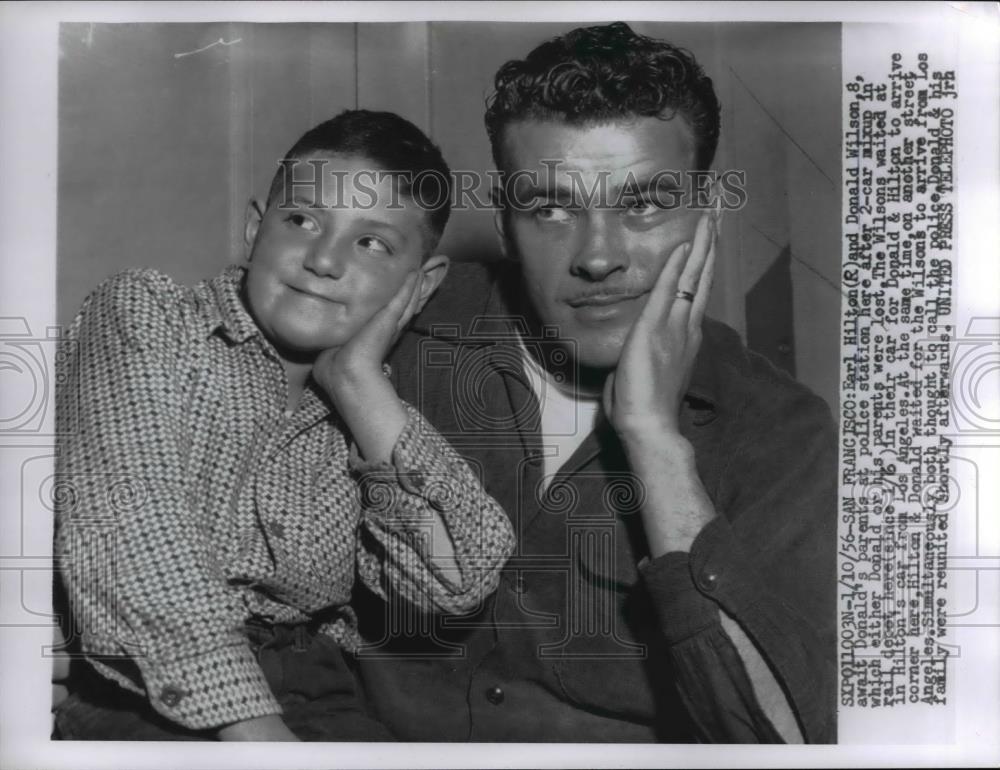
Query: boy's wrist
[348,377]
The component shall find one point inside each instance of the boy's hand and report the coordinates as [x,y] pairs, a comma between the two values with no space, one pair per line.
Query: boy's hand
[352,376]
[269,728]
[363,355]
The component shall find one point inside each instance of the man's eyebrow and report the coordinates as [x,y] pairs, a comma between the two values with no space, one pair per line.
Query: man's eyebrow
[557,191]
[663,181]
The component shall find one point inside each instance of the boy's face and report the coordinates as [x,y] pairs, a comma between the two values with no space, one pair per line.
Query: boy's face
[327,256]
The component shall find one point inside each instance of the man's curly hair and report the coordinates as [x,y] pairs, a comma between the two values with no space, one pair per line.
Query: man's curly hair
[596,74]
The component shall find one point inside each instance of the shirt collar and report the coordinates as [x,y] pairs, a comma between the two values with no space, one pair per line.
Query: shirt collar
[228,313]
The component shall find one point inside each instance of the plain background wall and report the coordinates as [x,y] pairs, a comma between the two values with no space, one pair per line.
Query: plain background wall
[165,133]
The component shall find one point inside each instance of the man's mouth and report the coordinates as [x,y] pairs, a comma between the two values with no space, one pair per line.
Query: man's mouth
[604,299]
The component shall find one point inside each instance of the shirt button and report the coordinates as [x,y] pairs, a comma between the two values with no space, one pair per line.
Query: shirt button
[520,585]
[709,581]
[171,696]
[494,695]
[416,479]
[534,456]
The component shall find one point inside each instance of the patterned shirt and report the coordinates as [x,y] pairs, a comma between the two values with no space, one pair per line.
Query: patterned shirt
[189,500]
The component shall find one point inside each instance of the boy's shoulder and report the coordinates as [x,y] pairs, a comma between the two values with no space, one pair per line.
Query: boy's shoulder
[146,300]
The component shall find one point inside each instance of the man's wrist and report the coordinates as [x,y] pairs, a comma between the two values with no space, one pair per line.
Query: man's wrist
[658,449]
[676,506]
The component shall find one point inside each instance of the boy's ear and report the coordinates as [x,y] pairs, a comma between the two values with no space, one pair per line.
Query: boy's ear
[254,216]
[433,272]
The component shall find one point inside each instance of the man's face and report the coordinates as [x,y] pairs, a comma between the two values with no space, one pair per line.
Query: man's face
[318,273]
[588,268]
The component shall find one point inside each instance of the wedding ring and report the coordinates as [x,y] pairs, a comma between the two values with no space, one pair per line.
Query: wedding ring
[687,295]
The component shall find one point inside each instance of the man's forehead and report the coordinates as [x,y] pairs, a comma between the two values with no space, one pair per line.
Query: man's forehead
[615,148]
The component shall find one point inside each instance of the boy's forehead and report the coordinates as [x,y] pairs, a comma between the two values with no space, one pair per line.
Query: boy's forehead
[335,180]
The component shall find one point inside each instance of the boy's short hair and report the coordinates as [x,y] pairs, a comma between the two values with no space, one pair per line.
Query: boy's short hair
[393,144]
[603,73]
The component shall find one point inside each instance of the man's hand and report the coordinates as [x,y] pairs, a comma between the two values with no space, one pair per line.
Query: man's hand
[642,396]
[268,728]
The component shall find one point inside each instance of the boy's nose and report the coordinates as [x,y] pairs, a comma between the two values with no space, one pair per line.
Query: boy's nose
[326,258]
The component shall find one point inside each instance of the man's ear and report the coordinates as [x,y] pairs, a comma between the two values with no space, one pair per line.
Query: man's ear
[254,216]
[718,209]
[501,228]
[432,272]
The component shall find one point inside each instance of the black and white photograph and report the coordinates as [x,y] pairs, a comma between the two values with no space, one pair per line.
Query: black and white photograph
[511,386]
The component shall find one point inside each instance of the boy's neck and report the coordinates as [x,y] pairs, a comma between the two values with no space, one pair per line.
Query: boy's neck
[296,374]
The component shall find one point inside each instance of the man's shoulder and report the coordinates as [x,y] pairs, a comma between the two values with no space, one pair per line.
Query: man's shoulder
[464,295]
[745,384]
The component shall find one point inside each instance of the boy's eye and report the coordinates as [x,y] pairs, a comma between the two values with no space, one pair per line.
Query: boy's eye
[554,213]
[302,221]
[371,243]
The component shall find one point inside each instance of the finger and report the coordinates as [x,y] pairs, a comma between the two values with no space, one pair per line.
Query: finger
[699,253]
[608,396]
[411,305]
[704,288]
[662,294]
[393,311]
[404,297]
[680,311]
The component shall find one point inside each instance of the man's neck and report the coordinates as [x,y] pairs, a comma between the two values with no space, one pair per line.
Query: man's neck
[571,380]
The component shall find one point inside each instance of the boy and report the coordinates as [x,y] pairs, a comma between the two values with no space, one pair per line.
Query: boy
[220,427]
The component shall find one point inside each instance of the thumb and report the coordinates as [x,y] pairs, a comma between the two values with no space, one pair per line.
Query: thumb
[608,397]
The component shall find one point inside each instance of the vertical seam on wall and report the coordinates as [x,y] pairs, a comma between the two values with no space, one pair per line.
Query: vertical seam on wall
[428,101]
[357,68]
[241,135]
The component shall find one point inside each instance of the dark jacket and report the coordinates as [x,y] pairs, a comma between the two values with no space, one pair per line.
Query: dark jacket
[587,639]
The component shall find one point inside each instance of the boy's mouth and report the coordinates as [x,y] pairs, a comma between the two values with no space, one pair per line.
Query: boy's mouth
[313,294]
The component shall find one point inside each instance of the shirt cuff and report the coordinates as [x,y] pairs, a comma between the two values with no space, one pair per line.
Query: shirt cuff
[682,610]
[211,690]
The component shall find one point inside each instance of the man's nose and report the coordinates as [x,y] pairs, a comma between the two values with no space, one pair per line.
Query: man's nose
[327,257]
[601,251]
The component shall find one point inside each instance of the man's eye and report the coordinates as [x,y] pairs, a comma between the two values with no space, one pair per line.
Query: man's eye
[371,243]
[642,207]
[556,214]
[303,222]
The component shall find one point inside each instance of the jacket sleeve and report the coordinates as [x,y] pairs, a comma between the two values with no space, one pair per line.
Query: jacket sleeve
[152,603]
[427,478]
[768,560]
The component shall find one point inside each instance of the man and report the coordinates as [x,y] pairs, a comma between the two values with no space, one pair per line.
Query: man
[673,494]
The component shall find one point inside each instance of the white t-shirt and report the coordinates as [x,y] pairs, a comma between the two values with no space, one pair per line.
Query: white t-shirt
[567,418]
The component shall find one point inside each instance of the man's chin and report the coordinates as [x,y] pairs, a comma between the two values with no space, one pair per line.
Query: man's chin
[599,359]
